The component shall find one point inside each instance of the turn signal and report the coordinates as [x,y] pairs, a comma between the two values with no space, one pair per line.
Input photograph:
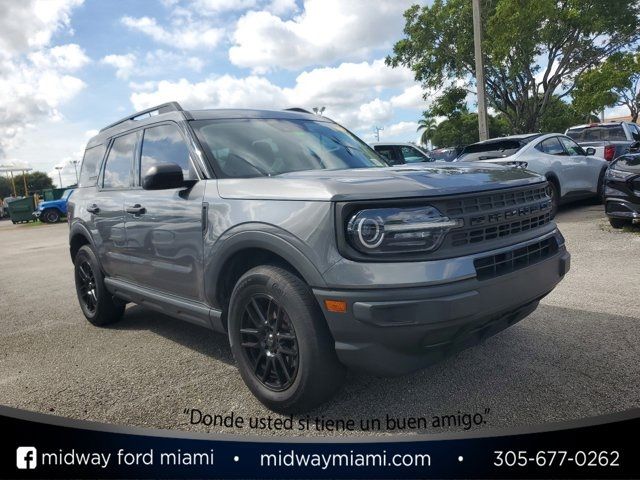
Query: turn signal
[336,306]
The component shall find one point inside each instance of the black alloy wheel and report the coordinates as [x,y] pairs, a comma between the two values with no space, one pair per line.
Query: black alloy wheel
[87,286]
[269,342]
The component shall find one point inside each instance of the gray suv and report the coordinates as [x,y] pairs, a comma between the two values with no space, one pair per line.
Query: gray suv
[290,235]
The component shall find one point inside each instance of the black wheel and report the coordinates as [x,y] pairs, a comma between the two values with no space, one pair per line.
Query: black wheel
[555,197]
[97,304]
[617,222]
[50,216]
[281,341]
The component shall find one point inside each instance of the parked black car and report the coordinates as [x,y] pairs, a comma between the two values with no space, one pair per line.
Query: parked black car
[622,190]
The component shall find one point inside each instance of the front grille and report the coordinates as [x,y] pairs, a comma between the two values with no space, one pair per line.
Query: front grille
[507,262]
[497,215]
[499,231]
[483,203]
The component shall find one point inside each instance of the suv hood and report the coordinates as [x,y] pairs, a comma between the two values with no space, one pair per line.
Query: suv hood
[50,204]
[378,183]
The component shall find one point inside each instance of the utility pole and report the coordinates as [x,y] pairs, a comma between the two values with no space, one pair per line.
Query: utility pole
[377,131]
[59,175]
[75,167]
[483,126]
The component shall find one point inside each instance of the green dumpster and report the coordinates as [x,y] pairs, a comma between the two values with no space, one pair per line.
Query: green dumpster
[22,210]
[53,194]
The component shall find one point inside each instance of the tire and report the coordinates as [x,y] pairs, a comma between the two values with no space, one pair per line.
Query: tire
[97,304]
[617,222]
[555,197]
[304,371]
[50,215]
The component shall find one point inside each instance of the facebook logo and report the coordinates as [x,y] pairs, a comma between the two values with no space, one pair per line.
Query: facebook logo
[26,458]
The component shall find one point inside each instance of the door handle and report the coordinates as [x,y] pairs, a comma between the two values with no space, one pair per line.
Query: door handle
[93,208]
[137,209]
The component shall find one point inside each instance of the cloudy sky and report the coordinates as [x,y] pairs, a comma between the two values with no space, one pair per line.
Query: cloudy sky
[69,67]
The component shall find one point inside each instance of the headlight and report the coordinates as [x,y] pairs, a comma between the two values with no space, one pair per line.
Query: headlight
[398,230]
[613,174]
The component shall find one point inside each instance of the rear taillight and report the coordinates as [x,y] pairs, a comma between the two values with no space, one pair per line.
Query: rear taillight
[609,152]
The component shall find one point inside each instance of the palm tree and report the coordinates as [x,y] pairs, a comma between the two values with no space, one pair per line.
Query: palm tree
[428,127]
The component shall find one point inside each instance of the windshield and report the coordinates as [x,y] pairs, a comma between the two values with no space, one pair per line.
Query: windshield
[489,150]
[268,147]
[66,194]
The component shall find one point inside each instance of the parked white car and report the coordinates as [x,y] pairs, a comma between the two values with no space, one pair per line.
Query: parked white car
[573,173]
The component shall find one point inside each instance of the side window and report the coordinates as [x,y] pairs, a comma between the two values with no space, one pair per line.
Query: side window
[572,147]
[411,155]
[164,144]
[635,132]
[117,169]
[91,166]
[387,153]
[551,146]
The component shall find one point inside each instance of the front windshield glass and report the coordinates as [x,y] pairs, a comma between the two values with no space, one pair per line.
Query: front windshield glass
[66,194]
[268,147]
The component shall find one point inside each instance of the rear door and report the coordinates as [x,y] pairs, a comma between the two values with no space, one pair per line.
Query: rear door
[106,208]
[164,227]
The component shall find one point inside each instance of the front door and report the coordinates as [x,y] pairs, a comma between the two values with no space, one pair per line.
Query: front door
[164,227]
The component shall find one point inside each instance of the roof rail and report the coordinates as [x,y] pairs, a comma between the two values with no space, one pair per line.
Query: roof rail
[298,109]
[164,108]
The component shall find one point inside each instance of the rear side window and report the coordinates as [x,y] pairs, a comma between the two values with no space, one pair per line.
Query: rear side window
[598,133]
[551,146]
[164,144]
[387,153]
[117,170]
[91,166]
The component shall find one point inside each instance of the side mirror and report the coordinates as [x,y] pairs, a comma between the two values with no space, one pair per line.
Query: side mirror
[634,147]
[590,151]
[163,177]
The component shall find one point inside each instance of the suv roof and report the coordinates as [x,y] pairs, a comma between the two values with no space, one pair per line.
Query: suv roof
[173,111]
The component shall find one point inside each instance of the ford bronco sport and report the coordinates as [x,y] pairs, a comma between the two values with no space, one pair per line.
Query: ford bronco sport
[289,234]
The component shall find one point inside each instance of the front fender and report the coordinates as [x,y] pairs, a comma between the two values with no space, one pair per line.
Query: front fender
[259,236]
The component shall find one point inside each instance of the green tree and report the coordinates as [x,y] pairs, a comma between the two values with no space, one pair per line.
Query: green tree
[462,129]
[36,181]
[533,48]
[428,127]
[5,187]
[561,115]
[615,82]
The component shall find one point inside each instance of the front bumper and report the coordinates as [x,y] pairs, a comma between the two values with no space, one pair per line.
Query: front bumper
[622,208]
[37,213]
[391,331]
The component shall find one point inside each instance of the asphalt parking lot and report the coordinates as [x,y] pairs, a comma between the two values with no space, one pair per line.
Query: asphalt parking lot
[578,355]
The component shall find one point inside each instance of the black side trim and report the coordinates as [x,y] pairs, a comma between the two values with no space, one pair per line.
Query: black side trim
[181,308]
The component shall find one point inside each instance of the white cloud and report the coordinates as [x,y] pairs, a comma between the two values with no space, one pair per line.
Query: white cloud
[63,57]
[350,92]
[35,80]
[216,6]
[122,63]
[28,24]
[184,34]
[412,97]
[325,32]
[153,63]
